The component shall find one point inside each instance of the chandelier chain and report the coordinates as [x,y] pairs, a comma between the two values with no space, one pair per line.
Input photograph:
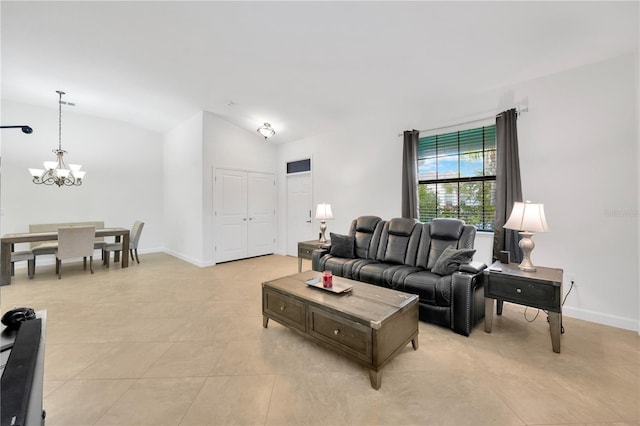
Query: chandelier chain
[60,121]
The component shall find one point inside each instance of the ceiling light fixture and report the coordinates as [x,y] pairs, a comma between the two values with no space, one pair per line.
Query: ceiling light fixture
[56,172]
[266,130]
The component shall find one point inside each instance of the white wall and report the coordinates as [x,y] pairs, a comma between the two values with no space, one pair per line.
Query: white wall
[192,151]
[579,146]
[182,183]
[578,155]
[123,164]
[230,147]
[356,170]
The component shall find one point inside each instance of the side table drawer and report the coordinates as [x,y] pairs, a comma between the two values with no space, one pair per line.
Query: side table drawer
[284,309]
[540,294]
[305,252]
[349,336]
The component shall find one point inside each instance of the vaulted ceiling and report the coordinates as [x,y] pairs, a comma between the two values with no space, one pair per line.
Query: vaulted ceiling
[302,66]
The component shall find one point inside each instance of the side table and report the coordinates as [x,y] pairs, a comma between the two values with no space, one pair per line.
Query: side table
[541,289]
[306,248]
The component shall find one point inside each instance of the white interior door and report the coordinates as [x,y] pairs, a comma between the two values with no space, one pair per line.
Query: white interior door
[299,210]
[261,199]
[231,215]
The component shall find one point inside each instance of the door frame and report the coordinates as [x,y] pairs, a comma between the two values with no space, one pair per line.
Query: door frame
[286,193]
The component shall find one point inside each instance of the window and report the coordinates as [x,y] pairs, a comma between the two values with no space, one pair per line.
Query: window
[299,166]
[457,176]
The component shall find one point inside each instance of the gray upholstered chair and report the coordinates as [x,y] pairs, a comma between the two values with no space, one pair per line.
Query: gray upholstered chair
[134,238]
[73,242]
[20,256]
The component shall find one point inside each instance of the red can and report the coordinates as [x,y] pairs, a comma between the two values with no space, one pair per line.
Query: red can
[327,279]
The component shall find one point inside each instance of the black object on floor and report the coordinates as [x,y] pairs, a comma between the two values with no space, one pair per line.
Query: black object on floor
[17,376]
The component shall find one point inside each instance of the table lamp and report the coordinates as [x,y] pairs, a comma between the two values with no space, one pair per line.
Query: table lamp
[528,218]
[323,213]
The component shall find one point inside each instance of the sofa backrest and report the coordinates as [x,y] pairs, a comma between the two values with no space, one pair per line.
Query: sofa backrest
[366,230]
[399,241]
[441,233]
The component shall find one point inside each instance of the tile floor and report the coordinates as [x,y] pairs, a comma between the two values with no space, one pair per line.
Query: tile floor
[168,343]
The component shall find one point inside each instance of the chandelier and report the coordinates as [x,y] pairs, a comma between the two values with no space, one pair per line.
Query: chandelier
[57,172]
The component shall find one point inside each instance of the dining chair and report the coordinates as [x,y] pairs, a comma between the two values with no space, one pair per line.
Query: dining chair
[20,256]
[73,242]
[134,238]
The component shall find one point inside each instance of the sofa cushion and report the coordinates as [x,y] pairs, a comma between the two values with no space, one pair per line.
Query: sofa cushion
[372,273]
[451,259]
[444,233]
[366,231]
[396,237]
[446,229]
[342,245]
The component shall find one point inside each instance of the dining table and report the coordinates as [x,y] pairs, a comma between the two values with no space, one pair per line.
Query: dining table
[8,240]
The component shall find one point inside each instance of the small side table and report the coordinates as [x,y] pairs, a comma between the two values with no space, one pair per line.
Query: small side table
[306,248]
[541,289]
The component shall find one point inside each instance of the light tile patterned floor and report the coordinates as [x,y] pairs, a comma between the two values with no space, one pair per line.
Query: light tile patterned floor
[168,343]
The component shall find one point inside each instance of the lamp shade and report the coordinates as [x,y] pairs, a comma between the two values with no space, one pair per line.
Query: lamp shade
[36,172]
[527,217]
[323,212]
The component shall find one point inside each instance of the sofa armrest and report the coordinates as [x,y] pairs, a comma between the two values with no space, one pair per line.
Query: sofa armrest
[315,258]
[473,267]
[467,304]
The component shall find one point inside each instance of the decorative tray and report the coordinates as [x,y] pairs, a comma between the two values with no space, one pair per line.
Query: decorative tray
[336,288]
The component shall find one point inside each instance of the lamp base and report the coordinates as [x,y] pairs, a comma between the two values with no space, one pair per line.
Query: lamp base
[526,245]
[323,228]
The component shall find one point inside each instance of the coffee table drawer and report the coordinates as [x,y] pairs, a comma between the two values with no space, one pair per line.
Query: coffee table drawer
[349,336]
[284,309]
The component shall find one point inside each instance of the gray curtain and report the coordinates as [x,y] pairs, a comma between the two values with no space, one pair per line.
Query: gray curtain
[410,174]
[508,184]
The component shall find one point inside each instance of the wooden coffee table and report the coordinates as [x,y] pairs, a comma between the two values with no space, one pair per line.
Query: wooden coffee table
[368,324]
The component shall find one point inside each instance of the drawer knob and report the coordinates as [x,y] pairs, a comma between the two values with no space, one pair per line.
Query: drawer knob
[336,332]
[518,290]
[282,308]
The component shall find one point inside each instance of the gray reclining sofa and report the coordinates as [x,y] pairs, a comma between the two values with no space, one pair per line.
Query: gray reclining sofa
[432,260]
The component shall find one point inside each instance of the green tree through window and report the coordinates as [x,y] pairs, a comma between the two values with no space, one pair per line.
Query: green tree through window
[457,176]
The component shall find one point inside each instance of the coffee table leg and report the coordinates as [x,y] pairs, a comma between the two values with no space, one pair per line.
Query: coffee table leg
[414,343]
[376,379]
[265,321]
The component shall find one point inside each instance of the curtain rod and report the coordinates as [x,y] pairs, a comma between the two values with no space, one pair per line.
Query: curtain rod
[519,110]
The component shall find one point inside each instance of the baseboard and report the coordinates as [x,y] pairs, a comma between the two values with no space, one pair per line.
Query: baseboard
[600,318]
[201,264]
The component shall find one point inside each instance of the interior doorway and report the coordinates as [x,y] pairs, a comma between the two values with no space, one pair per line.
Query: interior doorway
[299,210]
[244,214]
